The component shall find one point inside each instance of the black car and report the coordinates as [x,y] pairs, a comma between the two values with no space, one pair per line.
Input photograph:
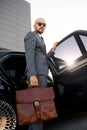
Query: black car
[67,75]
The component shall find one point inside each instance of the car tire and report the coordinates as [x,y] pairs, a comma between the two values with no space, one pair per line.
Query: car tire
[8,119]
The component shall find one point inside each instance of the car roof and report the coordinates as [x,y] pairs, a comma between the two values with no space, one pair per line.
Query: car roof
[77,32]
[5,52]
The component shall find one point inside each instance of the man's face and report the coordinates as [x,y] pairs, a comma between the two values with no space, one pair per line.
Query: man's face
[40,25]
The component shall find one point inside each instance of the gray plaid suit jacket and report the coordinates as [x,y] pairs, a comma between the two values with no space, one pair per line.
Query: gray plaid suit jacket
[35,53]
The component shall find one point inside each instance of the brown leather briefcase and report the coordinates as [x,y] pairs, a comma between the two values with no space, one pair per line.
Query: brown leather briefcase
[35,105]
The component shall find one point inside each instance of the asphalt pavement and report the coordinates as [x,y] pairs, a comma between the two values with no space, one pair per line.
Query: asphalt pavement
[68,121]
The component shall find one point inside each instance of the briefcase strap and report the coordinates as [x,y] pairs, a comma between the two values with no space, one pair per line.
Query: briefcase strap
[37,109]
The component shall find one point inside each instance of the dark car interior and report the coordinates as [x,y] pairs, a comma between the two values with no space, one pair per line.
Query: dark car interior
[14,66]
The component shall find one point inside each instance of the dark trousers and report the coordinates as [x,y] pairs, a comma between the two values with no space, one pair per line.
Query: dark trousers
[43,83]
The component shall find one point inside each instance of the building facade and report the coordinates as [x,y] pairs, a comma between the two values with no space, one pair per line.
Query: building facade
[15,22]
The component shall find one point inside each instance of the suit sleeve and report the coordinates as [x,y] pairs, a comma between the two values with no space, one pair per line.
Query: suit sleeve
[30,42]
[50,54]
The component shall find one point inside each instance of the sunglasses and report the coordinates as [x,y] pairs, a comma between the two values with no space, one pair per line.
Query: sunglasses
[39,24]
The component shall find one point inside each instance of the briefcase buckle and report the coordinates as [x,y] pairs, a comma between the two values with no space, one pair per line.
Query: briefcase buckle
[36,103]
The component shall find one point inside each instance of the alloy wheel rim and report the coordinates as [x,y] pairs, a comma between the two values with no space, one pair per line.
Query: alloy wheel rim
[7,116]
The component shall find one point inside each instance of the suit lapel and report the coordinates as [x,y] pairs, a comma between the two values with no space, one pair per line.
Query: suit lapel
[41,42]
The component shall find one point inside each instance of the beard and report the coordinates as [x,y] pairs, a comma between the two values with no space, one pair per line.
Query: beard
[40,31]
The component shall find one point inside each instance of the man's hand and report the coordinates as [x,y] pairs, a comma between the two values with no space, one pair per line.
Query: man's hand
[34,81]
[54,46]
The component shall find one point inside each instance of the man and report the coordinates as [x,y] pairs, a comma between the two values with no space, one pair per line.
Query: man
[36,60]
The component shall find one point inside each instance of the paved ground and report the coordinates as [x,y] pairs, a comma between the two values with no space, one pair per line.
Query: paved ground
[74,121]
[69,121]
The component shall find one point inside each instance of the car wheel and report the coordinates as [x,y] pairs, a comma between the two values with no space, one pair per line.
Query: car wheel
[8,117]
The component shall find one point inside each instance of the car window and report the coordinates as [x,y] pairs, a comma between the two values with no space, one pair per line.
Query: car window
[84,40]
[14,67]
[11,73]
[67,52]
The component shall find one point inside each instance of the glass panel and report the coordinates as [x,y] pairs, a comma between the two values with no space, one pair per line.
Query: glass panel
[84,40]
[11,73]
[67,51]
